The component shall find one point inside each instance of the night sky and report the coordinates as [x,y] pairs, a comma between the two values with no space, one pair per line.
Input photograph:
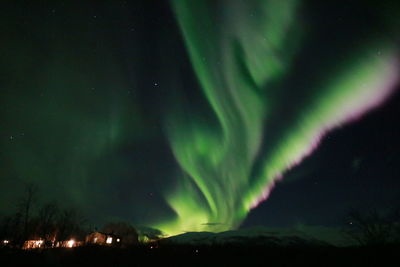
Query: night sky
[202,115]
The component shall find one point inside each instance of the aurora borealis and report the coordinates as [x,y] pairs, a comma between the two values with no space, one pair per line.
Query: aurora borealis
[184,115]
[236,64]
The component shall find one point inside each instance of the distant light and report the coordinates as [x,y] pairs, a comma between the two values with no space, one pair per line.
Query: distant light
[38,242]
[70,243]
[118,240]
[197,251]
[95,239]
[109,240]
[6,241]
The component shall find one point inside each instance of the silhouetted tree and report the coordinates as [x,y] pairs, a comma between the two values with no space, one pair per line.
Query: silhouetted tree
[47,221]
[369,228]
[11,228]
[26,206]
[5,227]
[21,225]
[70,223]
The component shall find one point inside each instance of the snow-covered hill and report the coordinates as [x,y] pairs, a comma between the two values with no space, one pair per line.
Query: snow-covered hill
[251,236]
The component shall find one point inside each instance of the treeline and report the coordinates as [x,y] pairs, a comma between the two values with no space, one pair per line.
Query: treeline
[47,221]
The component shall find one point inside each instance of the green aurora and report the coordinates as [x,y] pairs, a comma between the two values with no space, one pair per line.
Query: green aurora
[180,115]
[242,52]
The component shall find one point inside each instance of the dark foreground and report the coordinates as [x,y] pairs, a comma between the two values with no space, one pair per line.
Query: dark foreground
[203,256]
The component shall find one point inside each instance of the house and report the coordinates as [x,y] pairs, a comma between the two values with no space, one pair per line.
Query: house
[33,244]
[103,239]
[72,243]
[127,233]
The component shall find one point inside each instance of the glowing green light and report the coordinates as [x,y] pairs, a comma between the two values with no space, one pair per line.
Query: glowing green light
[238,49]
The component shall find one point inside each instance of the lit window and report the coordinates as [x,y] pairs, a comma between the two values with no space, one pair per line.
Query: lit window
[70,243]
[95,239]
[109,240]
